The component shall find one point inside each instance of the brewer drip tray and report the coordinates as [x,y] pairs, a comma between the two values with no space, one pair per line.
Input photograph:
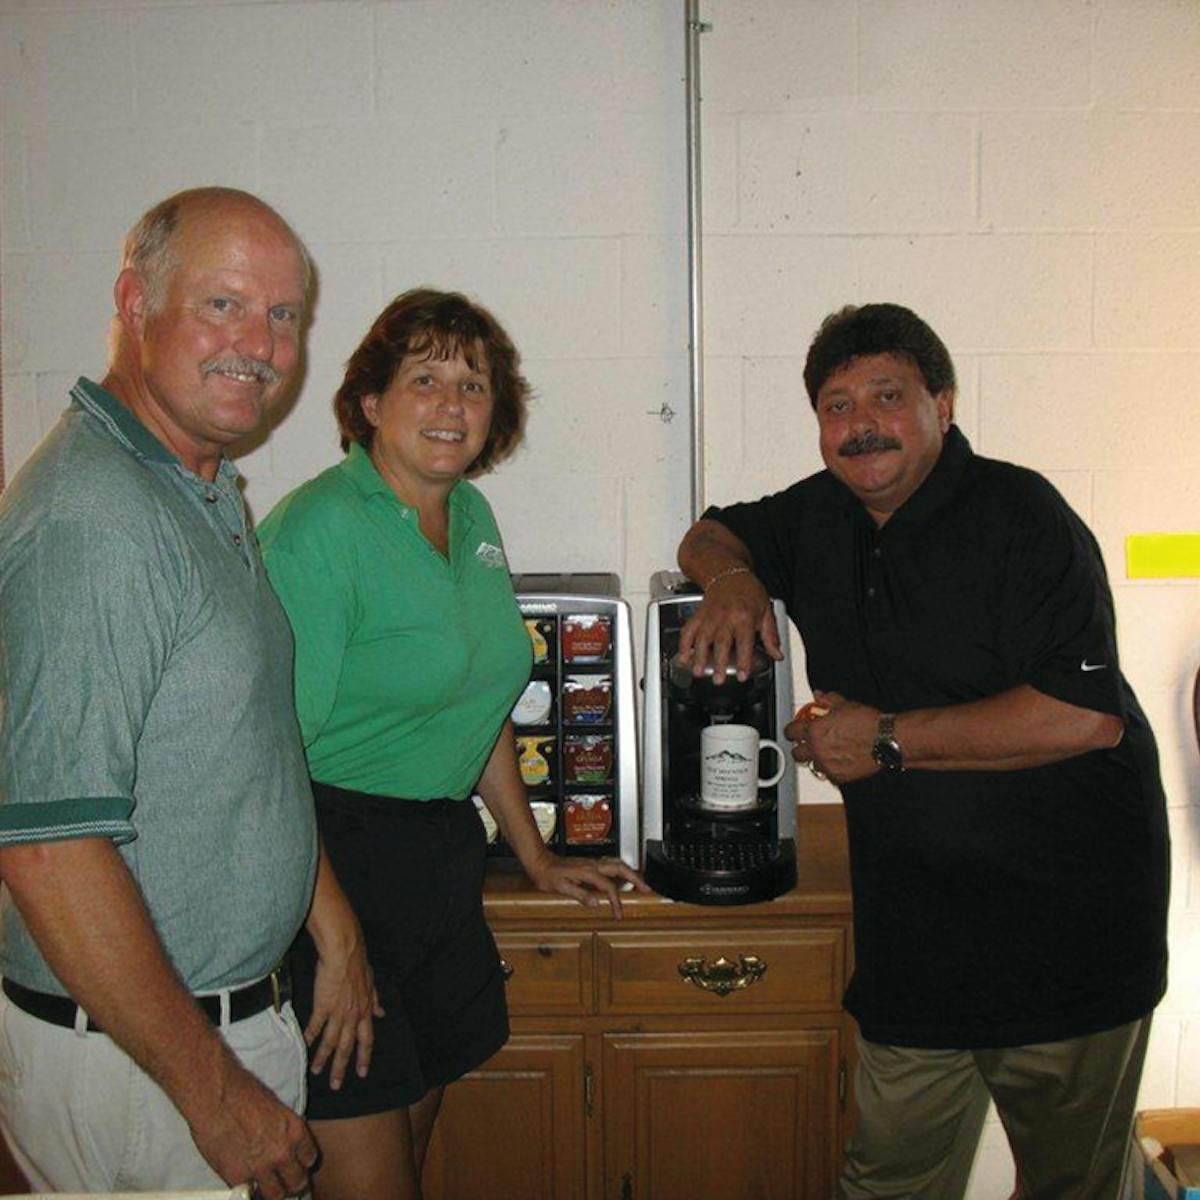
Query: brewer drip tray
[721,869]
[721,856]
[693,806]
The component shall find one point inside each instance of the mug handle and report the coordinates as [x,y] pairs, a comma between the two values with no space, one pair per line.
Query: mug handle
[783,762]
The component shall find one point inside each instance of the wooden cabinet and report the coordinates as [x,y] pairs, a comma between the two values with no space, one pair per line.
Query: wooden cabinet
[712,1116]
[12,1182]
[682,1053]
[515,1127]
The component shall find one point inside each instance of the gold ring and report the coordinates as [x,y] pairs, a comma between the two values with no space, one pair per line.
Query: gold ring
[817,772]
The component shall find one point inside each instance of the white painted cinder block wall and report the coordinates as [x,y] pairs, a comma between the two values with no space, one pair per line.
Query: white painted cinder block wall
[1019,171]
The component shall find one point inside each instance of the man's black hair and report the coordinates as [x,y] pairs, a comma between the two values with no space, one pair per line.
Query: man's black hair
[859,331]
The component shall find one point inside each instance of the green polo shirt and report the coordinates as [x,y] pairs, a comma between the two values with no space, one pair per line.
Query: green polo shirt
[145,695]
[407,662]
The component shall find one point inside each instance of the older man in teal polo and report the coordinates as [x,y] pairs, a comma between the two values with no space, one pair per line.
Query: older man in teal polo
[157,839]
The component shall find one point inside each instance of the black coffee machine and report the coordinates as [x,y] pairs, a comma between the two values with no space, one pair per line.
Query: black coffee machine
[692,852]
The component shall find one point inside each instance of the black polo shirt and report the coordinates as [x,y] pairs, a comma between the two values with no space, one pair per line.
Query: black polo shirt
[992,908]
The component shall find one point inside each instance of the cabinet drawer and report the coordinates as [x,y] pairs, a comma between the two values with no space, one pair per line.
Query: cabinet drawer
[722,970]
[548,972]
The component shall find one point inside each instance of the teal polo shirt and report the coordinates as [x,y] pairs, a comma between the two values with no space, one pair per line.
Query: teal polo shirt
[407,661]
[145,695]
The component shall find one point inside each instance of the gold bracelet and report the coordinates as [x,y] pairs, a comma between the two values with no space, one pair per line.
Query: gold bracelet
[726,574]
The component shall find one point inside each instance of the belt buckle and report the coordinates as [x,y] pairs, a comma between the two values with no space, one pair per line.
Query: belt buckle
[276,987]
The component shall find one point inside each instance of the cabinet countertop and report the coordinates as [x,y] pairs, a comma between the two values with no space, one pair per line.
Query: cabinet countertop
[823,888]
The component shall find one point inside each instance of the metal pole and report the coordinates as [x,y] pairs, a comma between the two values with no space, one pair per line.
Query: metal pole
[694,27]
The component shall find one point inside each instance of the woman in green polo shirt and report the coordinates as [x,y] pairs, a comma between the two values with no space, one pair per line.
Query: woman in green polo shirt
[410,653]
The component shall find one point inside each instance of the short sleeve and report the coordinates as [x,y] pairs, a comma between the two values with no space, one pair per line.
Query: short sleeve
[763,526]
[1058,626]
[86,628]
[316,590]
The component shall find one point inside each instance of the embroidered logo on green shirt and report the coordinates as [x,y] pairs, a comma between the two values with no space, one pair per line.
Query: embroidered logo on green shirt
[491,556]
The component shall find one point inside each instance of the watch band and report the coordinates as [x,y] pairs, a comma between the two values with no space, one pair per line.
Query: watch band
[886,750]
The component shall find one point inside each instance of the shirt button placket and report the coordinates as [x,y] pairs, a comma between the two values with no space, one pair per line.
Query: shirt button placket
[876,555]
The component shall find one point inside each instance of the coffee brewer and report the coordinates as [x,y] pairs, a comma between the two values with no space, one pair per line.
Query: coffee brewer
[693,851]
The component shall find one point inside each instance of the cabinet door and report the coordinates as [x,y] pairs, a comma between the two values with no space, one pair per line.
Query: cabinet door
[513,1129]
[709,1116]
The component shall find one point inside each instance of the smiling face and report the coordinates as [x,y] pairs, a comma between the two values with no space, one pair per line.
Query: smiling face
[209,361]
[881,430]
[431,423]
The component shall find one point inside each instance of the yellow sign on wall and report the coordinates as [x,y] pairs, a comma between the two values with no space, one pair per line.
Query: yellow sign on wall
[1162,556]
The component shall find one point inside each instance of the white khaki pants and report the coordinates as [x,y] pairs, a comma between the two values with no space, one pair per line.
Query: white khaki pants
[80,1116]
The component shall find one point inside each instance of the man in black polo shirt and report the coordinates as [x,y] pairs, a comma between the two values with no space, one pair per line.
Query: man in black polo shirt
[1007,824]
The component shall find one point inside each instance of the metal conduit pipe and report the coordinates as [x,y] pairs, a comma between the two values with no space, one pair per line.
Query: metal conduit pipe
[694,27]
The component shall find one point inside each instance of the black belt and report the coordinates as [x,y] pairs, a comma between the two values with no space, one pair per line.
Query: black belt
[269,992]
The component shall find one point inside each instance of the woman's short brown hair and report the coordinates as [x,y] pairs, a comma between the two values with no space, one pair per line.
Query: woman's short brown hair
[426,322]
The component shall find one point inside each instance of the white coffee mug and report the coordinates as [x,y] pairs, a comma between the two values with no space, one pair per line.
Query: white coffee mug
[729,766]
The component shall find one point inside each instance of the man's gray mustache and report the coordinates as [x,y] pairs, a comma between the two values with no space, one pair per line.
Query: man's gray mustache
[868,443]
[263,372]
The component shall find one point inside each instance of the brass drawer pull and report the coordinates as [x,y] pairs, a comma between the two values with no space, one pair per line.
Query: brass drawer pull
[723,976]
[506,969]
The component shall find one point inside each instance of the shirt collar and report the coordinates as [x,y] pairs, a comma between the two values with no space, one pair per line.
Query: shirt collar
[130,432]
[120,422]
[362,472]
[938,486]
[942,482]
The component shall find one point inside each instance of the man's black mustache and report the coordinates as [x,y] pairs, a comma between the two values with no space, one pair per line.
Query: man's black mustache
[867,443]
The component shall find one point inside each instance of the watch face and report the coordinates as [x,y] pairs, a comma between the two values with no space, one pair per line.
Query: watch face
[886,752]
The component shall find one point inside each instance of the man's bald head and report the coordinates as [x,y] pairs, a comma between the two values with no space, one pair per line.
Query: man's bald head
[152,245]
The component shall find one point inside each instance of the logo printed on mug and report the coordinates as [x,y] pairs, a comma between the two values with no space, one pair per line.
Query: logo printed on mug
[729,766]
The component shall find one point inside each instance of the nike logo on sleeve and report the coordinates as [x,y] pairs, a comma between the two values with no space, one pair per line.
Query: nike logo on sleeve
[1084,665]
